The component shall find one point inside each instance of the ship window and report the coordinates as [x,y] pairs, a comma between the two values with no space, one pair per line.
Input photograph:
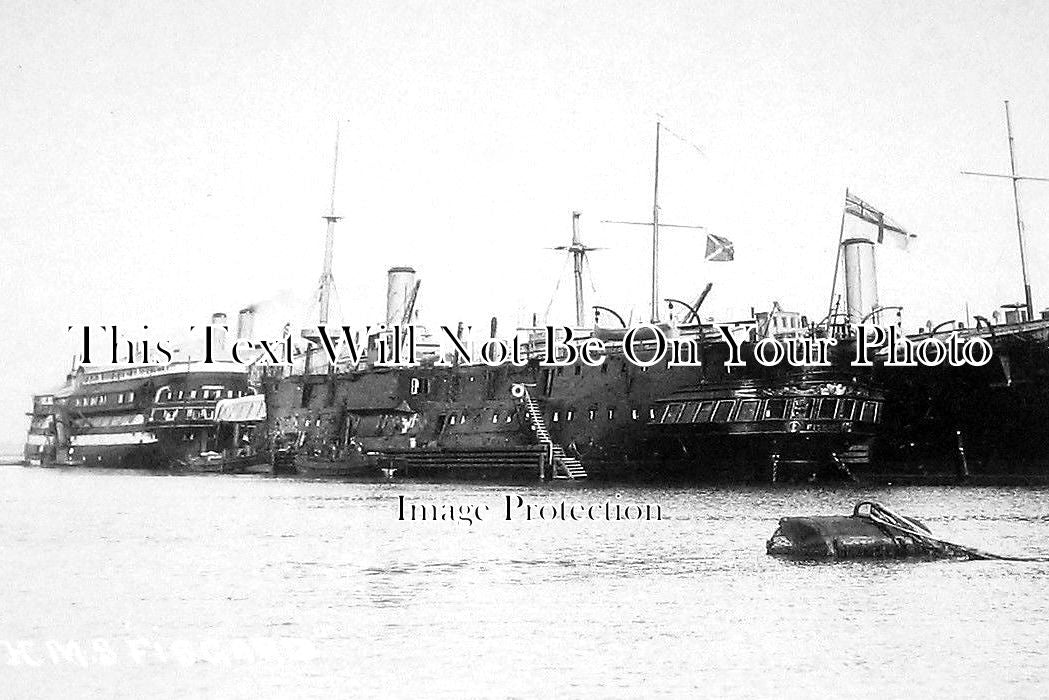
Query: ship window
[414,384]
[775,409]
[674,412]
[827,409]
[120,398]
[495,416]
[870,412]
[193,394]
[555,417]
[723,411]
[568,414]
[180,394]
[451,421]
[592,413]
[801,408]
[845,408]
[633,413]
[229,393]
[689,414]
[651,413]
[130,396]
[748,410]
[510,417]
[611,413]
[704,412]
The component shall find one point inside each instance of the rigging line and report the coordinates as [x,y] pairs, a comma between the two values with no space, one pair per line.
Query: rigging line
[682,139]
[560,276]
[338,299]
[590,273]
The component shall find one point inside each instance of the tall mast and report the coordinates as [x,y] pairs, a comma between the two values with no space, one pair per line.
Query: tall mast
[1028,302]
[329,240]
[654,223]
[578,249]
[578,252]
[1019,221]
[655,235]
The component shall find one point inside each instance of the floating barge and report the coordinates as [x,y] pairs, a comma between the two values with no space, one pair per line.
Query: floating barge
[871,532]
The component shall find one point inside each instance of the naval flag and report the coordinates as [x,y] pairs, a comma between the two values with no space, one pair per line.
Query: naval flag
[719,248]
[887,228]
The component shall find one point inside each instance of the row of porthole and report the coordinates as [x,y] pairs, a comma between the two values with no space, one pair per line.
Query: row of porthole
[205,394]
[102,399]
[554,417]
[591,414]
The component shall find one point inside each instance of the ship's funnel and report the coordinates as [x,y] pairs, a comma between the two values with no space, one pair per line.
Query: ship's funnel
[246,323]
[400,284]
[861,279]
[218,334]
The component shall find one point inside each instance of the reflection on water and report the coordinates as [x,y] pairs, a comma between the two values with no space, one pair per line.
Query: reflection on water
[685,605]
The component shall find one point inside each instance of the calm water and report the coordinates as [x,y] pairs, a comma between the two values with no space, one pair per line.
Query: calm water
[245,586]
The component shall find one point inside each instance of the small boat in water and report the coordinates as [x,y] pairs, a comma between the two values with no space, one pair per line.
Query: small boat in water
[352,461]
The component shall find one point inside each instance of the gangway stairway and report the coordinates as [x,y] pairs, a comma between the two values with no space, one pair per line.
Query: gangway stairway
[564,466]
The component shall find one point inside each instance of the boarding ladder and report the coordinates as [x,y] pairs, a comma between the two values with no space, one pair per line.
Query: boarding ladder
[563,466]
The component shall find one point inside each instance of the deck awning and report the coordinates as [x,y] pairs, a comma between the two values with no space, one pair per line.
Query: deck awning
[245,409]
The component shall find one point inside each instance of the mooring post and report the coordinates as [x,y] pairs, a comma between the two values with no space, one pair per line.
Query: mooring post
[963,463]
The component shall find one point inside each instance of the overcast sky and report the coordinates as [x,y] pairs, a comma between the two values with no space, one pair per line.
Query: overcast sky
[161,161]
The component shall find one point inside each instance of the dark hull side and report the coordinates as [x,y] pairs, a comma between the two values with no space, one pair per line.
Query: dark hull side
[462,422]
[472,422]
[936,425]
[978,425]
